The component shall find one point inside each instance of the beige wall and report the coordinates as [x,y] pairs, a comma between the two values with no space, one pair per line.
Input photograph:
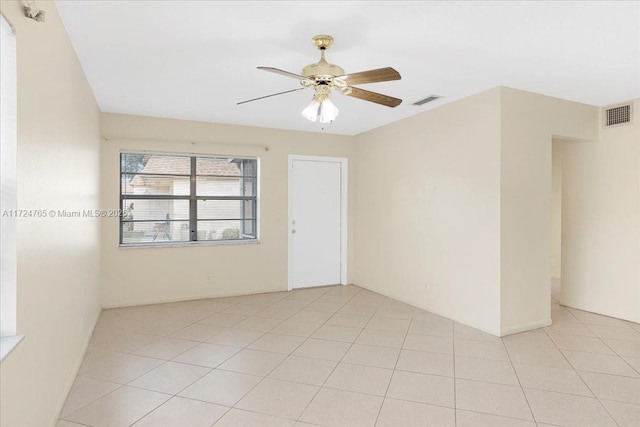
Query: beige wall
[529,122]
[556,209]
[453,207]
[428,210]
[601,222]
[134,276]
[58,259]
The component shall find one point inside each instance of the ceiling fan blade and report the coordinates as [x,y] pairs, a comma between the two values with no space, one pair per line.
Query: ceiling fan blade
[269,96]
[372,76]
[378,98]
[282,72]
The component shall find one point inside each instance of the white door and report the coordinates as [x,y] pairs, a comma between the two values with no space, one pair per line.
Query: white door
[317,221]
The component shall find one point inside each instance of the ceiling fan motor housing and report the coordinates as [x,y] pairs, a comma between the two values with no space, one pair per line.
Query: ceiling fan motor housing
[322,70]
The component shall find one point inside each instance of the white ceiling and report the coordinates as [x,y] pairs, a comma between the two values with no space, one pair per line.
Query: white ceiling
[196,59]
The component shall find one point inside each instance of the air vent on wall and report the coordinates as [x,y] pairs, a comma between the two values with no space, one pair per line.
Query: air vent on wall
[427,99]
[617,115]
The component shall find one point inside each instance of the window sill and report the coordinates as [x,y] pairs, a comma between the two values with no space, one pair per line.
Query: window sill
[8,343]
[190,244]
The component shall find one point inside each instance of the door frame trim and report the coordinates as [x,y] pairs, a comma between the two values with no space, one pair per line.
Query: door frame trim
[344,175]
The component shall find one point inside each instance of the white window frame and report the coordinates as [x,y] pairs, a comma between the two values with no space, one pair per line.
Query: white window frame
[8,184]
[193,198]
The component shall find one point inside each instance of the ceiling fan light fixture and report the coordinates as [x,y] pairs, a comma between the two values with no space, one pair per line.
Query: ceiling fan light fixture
[328,111]
[321,108]
[312,111]
[321,111]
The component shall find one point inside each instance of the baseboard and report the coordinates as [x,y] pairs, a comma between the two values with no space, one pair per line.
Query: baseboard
[75,371]
[525,327]
[430,310]
[190,298]
[591,310]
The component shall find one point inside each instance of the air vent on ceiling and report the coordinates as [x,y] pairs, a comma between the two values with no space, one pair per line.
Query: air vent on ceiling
[617,115]
[427,99]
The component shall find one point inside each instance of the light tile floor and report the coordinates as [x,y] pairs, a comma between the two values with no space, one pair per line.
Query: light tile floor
[345,356]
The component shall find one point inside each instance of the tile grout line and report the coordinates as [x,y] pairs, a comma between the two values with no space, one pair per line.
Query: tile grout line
[153,409]
[337,363]
[384,397]
[613,352]
[170,394]
[222,362]
[582,379]
[347,351]
[165,361]
[526,399]
[84,406]
[600,372]
[620,356]
[455,391]
[287,355]
[234,406]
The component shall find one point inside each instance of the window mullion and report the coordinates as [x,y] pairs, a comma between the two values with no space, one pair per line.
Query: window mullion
[243,204]
[193,204]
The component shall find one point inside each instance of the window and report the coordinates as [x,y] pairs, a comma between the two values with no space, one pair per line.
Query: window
[176,199]
[8,198]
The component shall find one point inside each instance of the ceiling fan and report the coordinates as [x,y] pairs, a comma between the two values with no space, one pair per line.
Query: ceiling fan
[322,77]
